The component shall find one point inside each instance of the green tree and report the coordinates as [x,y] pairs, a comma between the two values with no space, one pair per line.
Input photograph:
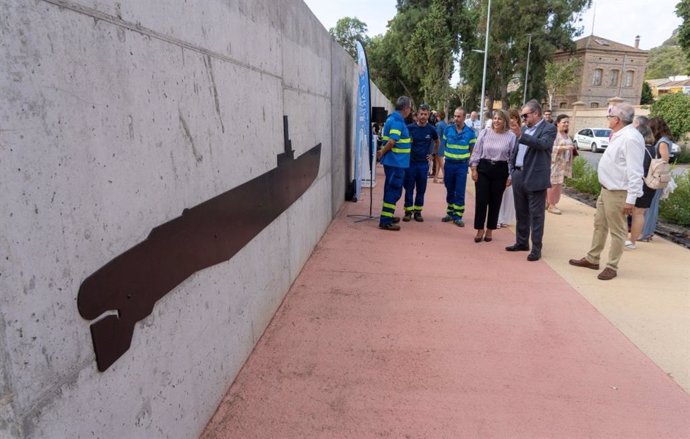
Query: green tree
[415,56]
[552,23]
[674,109]
[665,61]
[558,76]
[683,11]
[386,65]
[347,31]
[647,96]
[432,46]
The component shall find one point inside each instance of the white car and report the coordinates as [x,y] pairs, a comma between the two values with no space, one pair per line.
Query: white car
[594,139]
[675,150]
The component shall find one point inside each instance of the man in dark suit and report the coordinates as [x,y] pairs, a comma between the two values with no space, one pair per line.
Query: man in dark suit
[531,176]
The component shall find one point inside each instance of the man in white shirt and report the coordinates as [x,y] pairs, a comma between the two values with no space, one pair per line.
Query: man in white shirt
[620,175]
[474,123]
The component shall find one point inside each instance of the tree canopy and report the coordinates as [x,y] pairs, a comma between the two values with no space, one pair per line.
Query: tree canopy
[667,59]
[347,31]
[426,39]
[559,76]
[551,23]
[674,109]
[683,11]
[415,57]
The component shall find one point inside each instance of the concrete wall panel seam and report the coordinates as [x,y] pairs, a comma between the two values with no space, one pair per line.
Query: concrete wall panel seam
[102,16]
[7,402]
[308,92]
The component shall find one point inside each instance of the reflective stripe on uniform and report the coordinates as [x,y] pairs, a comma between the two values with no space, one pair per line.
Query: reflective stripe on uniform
[457,152]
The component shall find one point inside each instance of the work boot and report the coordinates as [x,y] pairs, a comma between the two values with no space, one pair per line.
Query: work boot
[447,219]
[396,219]
[407,217]
[389,226]
[418,217]
[459,223]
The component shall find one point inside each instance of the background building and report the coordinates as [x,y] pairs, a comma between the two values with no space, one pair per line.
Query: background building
[674,84]
[608,69]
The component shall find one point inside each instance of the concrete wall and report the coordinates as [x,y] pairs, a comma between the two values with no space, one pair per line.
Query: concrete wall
[116,116]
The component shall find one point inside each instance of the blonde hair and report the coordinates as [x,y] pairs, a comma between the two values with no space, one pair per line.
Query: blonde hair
[503,114]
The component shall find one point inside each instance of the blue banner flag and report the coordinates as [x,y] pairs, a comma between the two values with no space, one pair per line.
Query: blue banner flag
[363,119]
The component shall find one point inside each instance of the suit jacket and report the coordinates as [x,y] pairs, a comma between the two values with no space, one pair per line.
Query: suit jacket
[536,167]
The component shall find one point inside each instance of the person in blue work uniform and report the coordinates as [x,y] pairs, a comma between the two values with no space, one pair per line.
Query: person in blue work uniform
[422,134]
[395,158]
[457,141]
[438,153]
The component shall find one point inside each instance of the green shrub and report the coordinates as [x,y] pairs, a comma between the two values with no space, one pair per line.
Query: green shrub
[674,109]
[676,208]
[584,178]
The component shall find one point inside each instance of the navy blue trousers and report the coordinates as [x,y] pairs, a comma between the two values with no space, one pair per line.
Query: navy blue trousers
[416,176]
[455,179]
[392,190]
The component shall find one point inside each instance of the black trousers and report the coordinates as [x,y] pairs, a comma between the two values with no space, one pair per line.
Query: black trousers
[491,182]
[529,212]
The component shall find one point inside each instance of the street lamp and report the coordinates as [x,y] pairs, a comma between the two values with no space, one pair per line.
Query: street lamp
[486,54]
[529,50]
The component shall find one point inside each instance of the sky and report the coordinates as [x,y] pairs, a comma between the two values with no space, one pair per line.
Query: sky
[617,20]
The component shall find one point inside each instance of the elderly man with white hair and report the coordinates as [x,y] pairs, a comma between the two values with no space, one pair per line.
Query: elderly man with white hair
[620,175]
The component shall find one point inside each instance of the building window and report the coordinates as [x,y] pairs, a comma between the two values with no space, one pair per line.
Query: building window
[596,77]
[613,79]
[563,105]
[629,78]
[594,105]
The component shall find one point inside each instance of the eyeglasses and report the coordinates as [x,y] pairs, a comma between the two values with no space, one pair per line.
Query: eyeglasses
[610,117]
[524,116]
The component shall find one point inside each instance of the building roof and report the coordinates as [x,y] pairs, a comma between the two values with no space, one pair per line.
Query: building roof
[594,42]
[671,84]
[666,83]
[657,82]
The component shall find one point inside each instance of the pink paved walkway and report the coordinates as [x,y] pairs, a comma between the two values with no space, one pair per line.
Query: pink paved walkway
[425,334]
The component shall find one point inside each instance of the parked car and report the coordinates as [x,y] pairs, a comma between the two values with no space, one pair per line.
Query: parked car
[594,139]
[675,150]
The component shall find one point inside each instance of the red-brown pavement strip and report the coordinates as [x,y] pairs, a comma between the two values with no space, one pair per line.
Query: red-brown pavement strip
[423,333]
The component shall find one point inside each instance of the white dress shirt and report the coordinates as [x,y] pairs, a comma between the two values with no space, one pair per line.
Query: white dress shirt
[621,166]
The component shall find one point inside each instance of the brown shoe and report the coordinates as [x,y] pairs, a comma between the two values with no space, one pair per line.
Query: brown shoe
[584,263]
[608,274]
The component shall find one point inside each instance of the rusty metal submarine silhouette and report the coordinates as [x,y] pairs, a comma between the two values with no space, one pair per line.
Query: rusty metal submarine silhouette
[212,232]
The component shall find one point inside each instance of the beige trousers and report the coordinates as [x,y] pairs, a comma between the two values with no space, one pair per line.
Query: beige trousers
[609,218]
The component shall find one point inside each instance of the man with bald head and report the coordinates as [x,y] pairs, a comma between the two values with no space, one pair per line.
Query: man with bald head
[474,123]
[620,175]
